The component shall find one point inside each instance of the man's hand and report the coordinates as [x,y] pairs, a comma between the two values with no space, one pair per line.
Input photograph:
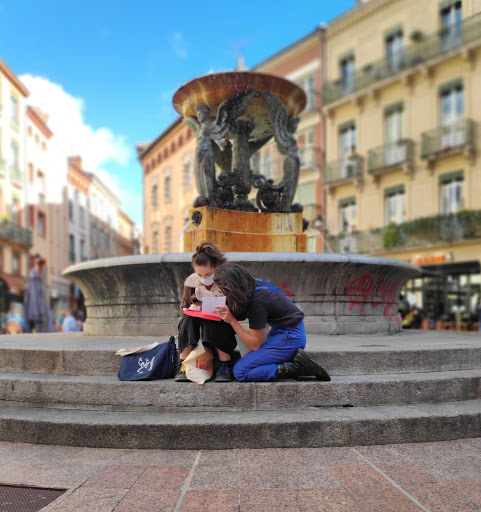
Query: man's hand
[225,314]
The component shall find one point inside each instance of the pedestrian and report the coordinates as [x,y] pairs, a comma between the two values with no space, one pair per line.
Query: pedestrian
[72,322]
[262,304]
[215,334]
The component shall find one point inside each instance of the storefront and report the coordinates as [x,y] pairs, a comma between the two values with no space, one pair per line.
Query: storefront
[448,290]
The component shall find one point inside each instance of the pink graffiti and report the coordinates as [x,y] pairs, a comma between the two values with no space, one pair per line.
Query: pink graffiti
[364,289]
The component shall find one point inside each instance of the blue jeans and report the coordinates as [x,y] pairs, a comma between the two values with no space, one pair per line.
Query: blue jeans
[281,346]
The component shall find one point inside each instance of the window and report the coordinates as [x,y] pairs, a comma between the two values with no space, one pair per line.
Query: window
[167,188]
[41,184]
[70,210]
[155,240]
[83,256]
[307,150]
[168,239]
[347,215]
[256,162]
[267,164]
[451,25]
[395,205]
[394,49]
[16,263]
[393,122]
[71,248]
[347,73]
[309,86]
[155,195]
[187,175]
[15,115]
[82,217]
[14,155]
[452,115]
[41,224]
[451,189]
[15,211]
[347,150]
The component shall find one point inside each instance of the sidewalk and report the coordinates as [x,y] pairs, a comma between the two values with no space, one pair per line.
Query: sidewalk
[444,476]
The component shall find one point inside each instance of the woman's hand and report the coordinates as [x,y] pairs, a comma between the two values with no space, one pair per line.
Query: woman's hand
[225,314]
[195,307]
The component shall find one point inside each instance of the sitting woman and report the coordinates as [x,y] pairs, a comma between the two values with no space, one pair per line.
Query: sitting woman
[215,334]
[282,355]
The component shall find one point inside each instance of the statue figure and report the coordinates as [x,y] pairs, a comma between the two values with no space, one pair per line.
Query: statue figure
[278,198]
[207,151]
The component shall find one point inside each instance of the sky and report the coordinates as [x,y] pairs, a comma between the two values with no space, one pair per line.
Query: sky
[106,71]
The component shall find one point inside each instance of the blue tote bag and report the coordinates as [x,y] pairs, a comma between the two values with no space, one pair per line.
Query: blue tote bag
[156,363]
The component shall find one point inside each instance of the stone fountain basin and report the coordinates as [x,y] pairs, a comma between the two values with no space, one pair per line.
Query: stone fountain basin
[339,293]
[211,90]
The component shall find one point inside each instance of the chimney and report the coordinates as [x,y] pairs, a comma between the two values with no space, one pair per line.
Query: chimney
[241,65]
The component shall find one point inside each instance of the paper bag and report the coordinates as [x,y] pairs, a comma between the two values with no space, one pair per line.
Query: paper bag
[199,364]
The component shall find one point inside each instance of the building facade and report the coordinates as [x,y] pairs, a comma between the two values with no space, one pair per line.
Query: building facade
[15,237]
[169,187]
[301,63]
[46,211]
[403,115]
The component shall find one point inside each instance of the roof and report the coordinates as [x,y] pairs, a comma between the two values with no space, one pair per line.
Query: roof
[13,78]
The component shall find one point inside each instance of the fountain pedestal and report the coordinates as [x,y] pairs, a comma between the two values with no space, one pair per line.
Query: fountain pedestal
[238,231]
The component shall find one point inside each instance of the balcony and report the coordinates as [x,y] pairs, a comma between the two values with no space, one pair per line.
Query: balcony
[447,139]
[421,232]
[15,233]
[390,156]
[343,170]
[428,47]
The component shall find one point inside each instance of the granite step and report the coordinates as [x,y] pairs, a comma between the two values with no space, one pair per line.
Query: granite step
[110,394]
[292,428]
[406,352]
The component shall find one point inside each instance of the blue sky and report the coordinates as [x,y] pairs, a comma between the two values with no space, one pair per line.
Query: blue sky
[115,65]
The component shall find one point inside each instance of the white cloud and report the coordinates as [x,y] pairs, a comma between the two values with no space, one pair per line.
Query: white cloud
[178,45]
[66,120]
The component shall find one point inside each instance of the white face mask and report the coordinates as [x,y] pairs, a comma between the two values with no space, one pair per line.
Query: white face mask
[208,280]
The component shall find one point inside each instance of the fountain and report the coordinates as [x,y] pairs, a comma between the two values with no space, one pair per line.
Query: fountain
[233,115]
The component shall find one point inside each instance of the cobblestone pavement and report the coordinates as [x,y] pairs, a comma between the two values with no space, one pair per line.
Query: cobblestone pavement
[442,476]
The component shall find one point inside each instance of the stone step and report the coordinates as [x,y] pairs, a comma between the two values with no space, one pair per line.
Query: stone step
[313,427]
[407,352]
[110,394]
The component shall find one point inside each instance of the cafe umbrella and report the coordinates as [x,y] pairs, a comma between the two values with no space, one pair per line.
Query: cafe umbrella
[37,311]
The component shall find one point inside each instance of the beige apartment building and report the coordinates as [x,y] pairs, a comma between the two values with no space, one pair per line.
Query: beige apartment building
[15,237]
[169,188]
[403,133]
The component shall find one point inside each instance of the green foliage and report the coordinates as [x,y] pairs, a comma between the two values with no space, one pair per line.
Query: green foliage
[391,236]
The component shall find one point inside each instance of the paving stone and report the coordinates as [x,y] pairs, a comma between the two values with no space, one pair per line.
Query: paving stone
[210,501]
[443,497]
[269,501]
[326,500]
[121,477]
[162,478]
[93,500]
[140,500]
[216,477]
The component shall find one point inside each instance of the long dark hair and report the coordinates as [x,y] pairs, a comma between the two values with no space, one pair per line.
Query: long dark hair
[207,253]
[237,285]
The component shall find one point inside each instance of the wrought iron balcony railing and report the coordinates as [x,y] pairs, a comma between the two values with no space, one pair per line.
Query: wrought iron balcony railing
[308,158]
[421,232]
[15,233]
[390,155]
[457,135]
[343,170]
[428,47]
